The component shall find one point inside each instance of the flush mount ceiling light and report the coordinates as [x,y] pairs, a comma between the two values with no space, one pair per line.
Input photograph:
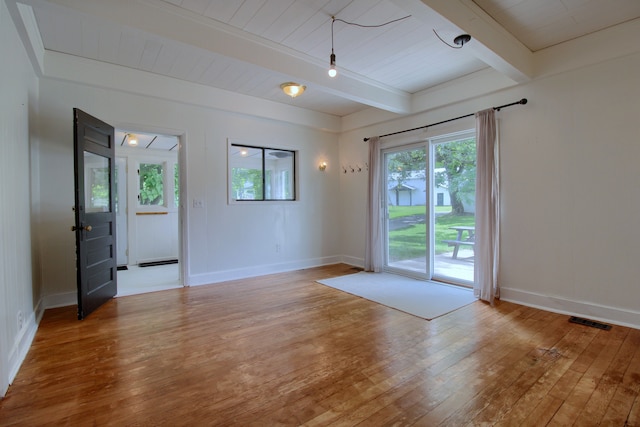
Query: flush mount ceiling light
[292,89]
[332,58]
[462,39]
[281,154]
[132,139]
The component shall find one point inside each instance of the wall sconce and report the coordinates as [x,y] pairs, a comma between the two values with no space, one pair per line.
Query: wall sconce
[322,166]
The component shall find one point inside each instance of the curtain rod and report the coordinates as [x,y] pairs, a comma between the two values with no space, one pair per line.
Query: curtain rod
[521,102]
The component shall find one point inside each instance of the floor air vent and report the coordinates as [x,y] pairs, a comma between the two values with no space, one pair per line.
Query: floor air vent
[587,322]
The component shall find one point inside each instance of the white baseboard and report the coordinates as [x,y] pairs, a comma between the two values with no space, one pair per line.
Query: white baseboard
[259,270]
[554,304]
[356,262]
[61,300]
[71,298]
[23,340]
[613,315]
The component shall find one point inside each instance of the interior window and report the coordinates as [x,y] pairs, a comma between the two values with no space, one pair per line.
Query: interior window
[261,173]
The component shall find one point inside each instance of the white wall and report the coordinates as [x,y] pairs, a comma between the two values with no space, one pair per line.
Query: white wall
[223,241]
[570,189]
[569,174]
[19,287]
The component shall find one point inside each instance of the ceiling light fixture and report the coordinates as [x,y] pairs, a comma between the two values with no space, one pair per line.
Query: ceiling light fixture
[332,59]
[292,89]
[332,65]
[459,41]
[462,39]
[132,139]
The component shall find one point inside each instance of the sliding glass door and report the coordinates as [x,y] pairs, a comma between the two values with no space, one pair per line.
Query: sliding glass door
[406,205]
[453,186]
[429,198]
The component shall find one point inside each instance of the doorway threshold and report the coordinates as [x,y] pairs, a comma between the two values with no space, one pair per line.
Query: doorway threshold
[139,280]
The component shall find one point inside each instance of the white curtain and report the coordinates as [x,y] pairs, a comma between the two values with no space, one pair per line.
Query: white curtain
[487,247]
[373,255]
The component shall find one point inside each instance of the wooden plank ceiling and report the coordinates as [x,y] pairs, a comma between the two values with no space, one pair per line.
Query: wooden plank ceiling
[253,46]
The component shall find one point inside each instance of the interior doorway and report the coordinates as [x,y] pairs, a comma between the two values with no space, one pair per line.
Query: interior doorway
[147,211]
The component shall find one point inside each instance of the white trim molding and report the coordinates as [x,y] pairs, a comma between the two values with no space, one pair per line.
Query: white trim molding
[259,270]
[585,309]
[23,341]
[60,300]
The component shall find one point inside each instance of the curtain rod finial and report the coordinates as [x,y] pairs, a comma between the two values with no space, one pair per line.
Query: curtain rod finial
[523,101]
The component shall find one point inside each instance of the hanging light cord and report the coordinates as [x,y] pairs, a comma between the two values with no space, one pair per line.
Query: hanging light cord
[451,46]
[334,19]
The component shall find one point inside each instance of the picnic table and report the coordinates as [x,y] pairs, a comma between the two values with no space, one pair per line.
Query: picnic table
[460,240]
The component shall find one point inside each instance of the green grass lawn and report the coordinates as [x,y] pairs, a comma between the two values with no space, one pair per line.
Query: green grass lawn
[410,242]
[398,211]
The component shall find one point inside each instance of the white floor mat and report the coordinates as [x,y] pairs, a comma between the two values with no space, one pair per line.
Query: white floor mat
[417,297]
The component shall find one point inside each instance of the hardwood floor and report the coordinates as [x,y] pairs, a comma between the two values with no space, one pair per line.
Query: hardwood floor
[284,350]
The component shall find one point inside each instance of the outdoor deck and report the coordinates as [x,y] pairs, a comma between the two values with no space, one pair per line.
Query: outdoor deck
[445,266]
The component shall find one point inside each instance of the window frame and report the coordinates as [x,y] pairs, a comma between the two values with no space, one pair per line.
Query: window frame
[263,148]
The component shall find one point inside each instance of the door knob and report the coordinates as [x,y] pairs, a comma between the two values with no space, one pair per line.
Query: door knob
[86,228]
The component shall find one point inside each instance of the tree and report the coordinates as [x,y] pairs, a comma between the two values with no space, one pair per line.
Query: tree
[100,187]
[458,158]
[405,164]
[151,184]
[246,184]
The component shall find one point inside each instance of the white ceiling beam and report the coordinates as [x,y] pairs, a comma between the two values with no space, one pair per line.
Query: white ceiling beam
[171,22]
[25,22]
[490,43]
[89,72]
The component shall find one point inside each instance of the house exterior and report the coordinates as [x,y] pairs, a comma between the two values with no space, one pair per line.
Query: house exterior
[563,248]
[413,192]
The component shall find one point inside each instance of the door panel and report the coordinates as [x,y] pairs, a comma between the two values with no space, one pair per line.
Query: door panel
[453,182]
[94,156]
[406,196]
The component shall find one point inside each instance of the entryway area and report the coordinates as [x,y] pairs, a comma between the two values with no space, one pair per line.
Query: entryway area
[147,212]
